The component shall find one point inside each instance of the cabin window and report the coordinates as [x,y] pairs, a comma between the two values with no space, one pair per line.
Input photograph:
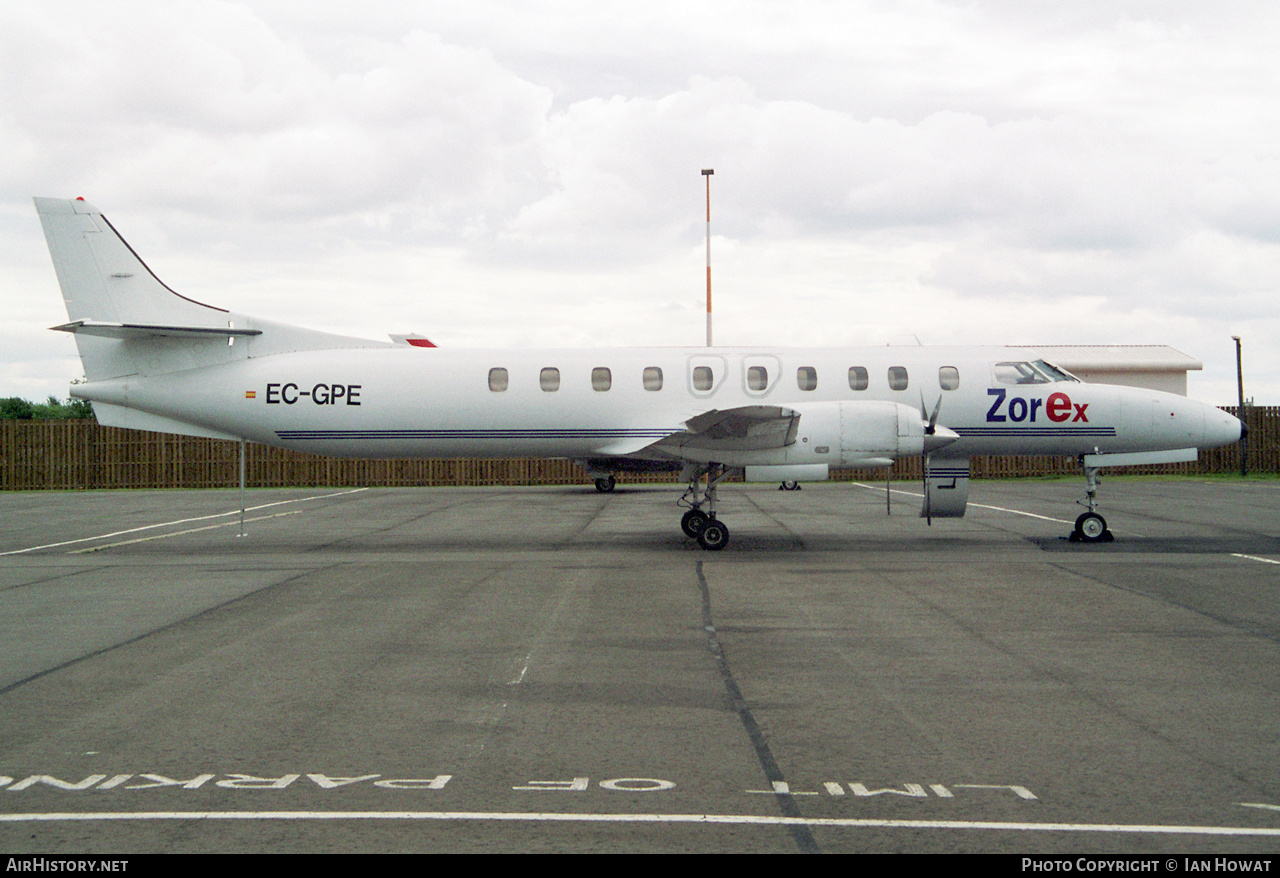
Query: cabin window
[652,378]
[948,377]
[897,377]
[858,378]
[601,378]
[757,378]
[549,379]
[807,378]
[497,380]
[702,378]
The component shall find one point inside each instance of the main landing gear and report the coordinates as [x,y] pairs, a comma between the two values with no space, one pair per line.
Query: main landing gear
[606,485]
[1090,526]
[700,521]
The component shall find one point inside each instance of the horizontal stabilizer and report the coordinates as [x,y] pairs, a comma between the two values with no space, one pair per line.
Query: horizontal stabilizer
[145,330]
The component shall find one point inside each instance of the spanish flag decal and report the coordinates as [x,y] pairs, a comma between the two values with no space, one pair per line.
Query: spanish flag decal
[251,394]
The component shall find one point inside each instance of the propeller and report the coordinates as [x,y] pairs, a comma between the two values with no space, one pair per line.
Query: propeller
[930,429]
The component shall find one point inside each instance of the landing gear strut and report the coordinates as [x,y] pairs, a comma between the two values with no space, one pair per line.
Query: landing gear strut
[1090,526]
[700,521]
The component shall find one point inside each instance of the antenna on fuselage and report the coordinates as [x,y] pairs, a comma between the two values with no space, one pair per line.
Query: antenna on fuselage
[707,172]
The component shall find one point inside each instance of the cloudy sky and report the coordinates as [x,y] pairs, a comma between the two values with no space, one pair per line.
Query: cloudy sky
[528,174]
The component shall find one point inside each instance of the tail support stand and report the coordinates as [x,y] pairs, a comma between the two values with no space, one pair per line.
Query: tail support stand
[241,489]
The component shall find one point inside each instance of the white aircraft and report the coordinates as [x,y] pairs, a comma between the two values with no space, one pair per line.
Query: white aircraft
[156,360]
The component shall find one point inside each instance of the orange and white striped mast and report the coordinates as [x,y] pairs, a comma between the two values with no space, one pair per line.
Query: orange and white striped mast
[707,172]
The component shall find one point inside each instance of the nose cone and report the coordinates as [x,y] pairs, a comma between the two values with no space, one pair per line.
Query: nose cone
[1221,428]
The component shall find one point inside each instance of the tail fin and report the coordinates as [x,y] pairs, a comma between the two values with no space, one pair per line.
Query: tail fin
[102,278]
[128,323]
[116,304]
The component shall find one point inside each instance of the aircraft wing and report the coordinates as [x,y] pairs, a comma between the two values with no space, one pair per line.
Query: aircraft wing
[744,428]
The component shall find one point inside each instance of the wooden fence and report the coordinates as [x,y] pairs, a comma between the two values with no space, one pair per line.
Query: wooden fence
[75,455]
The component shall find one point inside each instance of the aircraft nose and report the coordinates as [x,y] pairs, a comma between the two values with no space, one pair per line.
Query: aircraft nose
[1221,428]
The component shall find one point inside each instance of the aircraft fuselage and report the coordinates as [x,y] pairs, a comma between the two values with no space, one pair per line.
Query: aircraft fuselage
[410,402]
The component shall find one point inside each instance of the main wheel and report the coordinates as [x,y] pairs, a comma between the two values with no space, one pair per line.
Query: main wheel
[1092,528]
[605,486]
[714,536]
[693,522]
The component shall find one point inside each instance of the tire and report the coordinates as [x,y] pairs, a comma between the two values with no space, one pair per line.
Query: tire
[714,536]
[1092,528]
[605,486]
[693,522]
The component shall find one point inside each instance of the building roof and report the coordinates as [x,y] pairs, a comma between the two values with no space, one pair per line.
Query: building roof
[1118,358]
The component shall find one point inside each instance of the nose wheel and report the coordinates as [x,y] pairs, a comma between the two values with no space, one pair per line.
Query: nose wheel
[1090,526]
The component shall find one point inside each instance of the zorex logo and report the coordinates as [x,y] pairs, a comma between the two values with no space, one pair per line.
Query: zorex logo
[1057,408]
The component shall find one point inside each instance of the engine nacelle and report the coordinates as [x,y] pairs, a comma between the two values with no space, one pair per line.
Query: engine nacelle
[857,434]
[838,435]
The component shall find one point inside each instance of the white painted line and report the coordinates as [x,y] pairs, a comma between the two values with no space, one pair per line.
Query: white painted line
[178,521]
[178,533]
[1020,512]
[1254,558]
[972,505]
[716,819]
[881,488]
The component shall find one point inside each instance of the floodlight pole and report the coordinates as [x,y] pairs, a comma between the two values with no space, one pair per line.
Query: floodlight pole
[707,172]
[1244,432]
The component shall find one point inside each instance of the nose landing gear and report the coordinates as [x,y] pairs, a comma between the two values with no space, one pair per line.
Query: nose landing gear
[1090,526]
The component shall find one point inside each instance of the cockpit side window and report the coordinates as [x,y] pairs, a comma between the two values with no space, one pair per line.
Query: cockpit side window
[1054,373]
[1019,373]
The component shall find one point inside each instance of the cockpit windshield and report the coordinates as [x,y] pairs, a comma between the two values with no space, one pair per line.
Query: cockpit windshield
[1039,372]
[1054,373]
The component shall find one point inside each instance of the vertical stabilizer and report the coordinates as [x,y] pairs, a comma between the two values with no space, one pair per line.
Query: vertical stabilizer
[128,323]
[102,279]
[108,291]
